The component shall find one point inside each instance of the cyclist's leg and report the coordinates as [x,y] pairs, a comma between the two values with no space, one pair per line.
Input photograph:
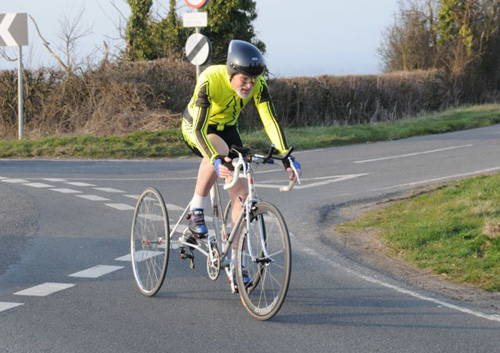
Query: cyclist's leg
[206,171]
[237,193]
[204,182]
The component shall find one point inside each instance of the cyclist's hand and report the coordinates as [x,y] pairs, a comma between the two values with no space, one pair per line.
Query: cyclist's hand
[222,167]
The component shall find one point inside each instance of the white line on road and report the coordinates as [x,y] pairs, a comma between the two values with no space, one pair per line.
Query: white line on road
[44,289]
[409,292]
[110,190]
[96,271]
[15,181]
[171,207]
[54,179]
[67,191]
[39,185]
[450,177]
[77,183]
[433,300]
[93,197]
[325,181]
[120,206]
[6,306]
[412,154]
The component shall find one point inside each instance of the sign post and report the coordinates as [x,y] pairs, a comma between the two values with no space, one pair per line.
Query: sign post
[198,48]
[14,33]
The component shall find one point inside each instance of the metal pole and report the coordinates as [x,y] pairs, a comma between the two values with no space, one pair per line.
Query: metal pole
[20,116]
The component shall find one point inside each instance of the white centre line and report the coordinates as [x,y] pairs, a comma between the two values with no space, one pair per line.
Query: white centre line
[39,185]
[6,306]
[44,289]
[120,206]
[67,191]
[96,271]
[450,177]
[412,154]
[93,197]
[15,181]
[77,183]
[110,190]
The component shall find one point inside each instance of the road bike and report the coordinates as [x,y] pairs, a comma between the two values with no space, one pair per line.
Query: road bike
[260,234]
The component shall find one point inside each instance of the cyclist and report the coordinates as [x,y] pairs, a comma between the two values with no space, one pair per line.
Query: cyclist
[209,125]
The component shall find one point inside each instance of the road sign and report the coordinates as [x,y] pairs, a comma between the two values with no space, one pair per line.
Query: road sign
[198,49]
[196,4]
[13,29]
[195,19]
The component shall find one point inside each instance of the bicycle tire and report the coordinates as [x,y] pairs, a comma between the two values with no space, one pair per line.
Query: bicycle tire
[150,242]
[270,275]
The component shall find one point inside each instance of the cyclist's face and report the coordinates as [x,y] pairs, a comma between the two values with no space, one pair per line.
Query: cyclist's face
[243,85]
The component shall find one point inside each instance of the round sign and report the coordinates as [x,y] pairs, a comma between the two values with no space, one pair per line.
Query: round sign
[196,4]
[198,49]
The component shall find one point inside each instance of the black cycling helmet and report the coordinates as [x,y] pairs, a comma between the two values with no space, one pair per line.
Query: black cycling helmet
[244,58]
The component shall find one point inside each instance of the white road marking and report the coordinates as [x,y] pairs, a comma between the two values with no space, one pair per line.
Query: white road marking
[120,206]
[450,177]
[93,197]
[141,255]
[54,179]
[39,185]
[6,306]
[127,258]
[110,190]
[409,292]
[67,191]
[151,217]
[96,271]
[412,154]
[136,197]
[76,183]
[171,207]
[15,181]
[1,178]
[326,180]
[44,289]
[433,300]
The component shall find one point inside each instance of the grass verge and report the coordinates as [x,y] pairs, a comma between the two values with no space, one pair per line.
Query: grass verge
[168,143]
[453,231]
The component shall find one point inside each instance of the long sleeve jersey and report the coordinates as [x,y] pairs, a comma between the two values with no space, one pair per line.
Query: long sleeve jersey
[215,102]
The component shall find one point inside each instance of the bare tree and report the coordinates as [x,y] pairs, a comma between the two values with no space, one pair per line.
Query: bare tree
[72,31]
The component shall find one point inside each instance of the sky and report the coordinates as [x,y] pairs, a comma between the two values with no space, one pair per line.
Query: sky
[324,37]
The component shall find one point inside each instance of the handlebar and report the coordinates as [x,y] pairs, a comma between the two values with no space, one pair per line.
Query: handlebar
[244,157]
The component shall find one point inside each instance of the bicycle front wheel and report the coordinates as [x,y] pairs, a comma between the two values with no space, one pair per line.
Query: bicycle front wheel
[264,251]
[150,242]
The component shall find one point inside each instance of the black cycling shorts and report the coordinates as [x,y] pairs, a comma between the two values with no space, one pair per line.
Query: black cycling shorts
[230,135]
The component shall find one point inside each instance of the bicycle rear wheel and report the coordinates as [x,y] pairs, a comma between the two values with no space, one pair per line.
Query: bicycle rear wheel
[150,242]
[264,251]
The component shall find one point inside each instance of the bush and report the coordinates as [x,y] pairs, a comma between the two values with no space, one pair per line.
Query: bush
[125,97]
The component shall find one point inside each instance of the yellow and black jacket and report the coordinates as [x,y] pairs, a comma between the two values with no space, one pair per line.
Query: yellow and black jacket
[215,103]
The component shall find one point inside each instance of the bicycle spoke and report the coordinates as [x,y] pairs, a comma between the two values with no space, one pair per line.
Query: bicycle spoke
[269,274]
[150,242]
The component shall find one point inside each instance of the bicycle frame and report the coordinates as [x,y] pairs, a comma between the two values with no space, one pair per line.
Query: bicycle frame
[243,169]
[256,255]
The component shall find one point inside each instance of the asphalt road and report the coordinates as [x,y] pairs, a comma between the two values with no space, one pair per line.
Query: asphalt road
[65,284]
